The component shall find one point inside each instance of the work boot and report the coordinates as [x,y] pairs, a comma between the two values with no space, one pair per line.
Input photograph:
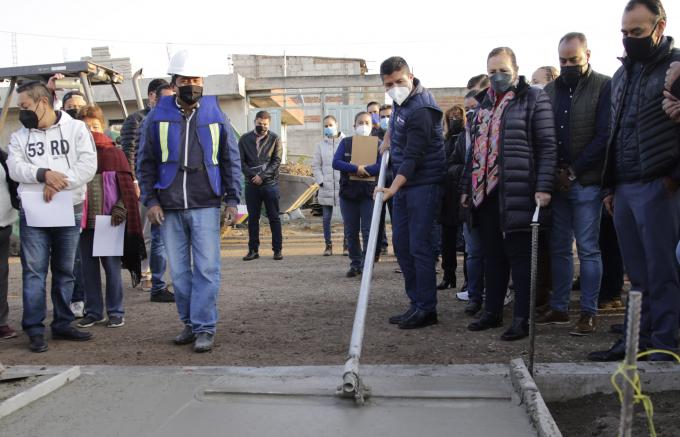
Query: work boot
[472,307]
[328,251]
[204,342]
[487,321]
[37,343]
[186,336]
[553,317]
[163,295]
[419,319]
[615,353]
[517,330]
[395,320]
[278,256]
[584,326]
[71,334]
[353,272]
[252,254]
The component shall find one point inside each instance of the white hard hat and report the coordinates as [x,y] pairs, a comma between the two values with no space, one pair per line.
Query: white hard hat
[183,64]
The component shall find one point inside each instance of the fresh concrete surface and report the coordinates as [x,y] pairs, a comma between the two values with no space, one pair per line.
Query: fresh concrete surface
[298,401]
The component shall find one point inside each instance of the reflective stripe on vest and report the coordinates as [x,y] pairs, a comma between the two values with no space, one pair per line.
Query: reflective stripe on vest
[163,134]
[215,134]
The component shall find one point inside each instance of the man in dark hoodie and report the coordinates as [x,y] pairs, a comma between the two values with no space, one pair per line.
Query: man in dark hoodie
[419,167]
[642,173]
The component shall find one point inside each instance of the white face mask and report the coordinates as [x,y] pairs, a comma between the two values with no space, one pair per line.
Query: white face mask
[538,85]
[399,93]
[363,130]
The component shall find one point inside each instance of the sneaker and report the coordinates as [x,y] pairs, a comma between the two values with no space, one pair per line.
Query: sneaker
[115,322]
[251,255]
[352,272]
[397,270]
[147,285]
[278,256]
[614,304]
[37,343]
[463,296]
[163,295]
[328,251]
[552,317]
[584,326]
[89,320]
[78,309]
[509,296]
[204,342]
[6,332]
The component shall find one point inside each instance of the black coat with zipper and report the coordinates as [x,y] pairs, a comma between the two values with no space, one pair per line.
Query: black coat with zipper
[455,162]
[527,155]
[266,163]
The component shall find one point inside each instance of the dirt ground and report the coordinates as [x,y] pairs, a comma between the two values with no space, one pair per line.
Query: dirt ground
[598,415]
[294,312]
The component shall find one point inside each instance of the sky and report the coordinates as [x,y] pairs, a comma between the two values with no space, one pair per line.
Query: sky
[444,42]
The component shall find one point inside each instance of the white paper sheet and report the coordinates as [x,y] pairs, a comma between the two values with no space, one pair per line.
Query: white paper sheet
[108,239]
[39,214]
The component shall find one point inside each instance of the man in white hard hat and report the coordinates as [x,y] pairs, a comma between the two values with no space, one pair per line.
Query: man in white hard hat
[187,165]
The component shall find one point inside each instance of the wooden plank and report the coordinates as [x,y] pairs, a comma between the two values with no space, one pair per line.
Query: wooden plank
[38,391]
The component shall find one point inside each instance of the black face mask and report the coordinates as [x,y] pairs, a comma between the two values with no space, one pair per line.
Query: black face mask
[29,118]
[640,49]
[190,94]
[455,125]
[261,130]
[470,114]
[72,112]
[571,74]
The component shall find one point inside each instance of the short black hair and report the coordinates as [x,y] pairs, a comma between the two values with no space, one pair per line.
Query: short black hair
[331,117]
[356,117]
[36,90]
[395,63]
[162,87]
[654,6]
[154,85]
[575,35]
[384,107]
[69,95]
[371,104]
[264,115]
[480,81]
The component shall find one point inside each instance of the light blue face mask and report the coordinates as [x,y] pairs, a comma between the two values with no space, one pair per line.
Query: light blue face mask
[384,123]
[330,132]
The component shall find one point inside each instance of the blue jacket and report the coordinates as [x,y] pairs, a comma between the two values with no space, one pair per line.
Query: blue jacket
[353,189]
[417,140]
[201,147]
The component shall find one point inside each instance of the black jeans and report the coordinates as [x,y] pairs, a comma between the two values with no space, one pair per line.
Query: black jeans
[612,264]
[255,197]
[449,255]
[5,234]
[503,254]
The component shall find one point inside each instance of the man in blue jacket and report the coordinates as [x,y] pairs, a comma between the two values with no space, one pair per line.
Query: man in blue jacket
[419,166]
[188,164]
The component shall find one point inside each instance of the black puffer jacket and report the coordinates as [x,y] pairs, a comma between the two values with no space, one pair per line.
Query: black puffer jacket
[644,143]
[527,155]
[129,135]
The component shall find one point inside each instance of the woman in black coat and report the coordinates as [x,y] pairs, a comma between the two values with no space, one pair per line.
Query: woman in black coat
[511,168]
[454,124]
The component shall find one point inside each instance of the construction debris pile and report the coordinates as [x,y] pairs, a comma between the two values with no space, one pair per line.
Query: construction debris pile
[296,169]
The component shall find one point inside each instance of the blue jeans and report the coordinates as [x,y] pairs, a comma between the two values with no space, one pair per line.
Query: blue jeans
[42,248]
[474,263]
[647,222]
[356,215]
[415,210]
[194,235]
[327,216]
[157,261]
[255,196]
[94,304]
[576,213]
[78,284]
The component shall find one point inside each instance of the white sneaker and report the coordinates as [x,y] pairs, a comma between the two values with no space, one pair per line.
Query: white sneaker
[509,297]
[463,295]
[78,309]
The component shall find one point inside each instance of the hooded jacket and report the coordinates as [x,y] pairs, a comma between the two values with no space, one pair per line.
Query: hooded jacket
[324,175]
[66,146]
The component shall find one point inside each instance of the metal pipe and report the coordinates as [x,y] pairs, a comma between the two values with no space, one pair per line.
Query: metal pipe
[89,95]
[138,93]
[532,290]
[6,103]
[632,338]
[120,99]
[352,381]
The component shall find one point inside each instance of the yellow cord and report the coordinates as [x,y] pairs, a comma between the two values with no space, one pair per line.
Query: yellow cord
[638,396]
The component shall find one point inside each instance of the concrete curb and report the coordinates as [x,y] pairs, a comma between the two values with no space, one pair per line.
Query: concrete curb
[530,396]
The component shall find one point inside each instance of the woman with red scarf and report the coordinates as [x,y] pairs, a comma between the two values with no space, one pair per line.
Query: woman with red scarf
[111,192]
[511,168]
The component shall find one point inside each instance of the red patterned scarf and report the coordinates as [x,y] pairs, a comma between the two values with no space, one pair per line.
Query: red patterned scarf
[485,149]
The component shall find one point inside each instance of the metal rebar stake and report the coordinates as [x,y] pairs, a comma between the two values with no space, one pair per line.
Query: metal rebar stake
[632,339]
[532,291]
[352,385]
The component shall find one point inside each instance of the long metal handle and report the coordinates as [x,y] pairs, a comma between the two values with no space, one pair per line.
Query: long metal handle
[351,382]
[532,292]
[632,338]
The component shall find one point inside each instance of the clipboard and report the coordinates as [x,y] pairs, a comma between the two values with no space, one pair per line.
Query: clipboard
[364,152]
